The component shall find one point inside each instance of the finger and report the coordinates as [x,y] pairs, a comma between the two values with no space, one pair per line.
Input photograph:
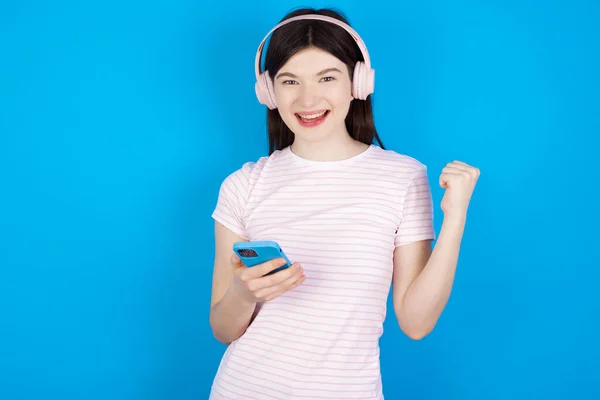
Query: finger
[288,278]
[465,167]
[445,177]
[453,170]
[272,295]
[278,277]
[235,260]
[458,162]
[275,291]
[258,271]
[256,283]
[280,292]
[237,265]
[458,165]
[449,174]
[468,172]
[269,266]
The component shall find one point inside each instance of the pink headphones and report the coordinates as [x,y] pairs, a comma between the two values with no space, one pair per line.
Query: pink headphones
[363,82]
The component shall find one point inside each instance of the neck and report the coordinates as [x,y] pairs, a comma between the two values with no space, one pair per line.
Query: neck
[332,148]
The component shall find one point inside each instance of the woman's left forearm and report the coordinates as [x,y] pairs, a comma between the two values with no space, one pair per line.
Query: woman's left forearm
[428,294]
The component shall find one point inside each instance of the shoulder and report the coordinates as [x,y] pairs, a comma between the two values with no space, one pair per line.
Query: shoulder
[396,162]
[250,172]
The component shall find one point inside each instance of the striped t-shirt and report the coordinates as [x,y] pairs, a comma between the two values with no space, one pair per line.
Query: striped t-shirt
[341,220]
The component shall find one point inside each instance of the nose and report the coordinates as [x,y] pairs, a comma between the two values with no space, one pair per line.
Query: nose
[309,96]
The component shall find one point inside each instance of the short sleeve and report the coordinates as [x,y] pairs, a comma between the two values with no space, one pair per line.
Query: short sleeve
[417,214]
[232,199]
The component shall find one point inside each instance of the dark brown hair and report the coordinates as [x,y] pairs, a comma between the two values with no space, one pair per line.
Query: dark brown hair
[298,35]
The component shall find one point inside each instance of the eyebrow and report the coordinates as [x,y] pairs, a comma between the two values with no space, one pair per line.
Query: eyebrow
[325,71]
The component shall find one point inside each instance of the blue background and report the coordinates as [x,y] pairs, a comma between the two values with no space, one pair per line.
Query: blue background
[120,119]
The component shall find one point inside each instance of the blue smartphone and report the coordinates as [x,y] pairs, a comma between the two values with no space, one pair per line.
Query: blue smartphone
[254,253]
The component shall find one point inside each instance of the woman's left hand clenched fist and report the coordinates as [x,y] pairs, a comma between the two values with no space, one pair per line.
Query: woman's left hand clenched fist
[459,180]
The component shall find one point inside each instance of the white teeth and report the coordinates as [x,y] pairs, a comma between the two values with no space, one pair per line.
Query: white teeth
[312,116]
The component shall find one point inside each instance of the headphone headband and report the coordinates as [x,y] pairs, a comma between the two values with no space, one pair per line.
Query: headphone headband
[352,32]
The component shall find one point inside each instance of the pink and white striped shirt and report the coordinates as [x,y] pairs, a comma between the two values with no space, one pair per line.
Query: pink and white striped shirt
[341,220]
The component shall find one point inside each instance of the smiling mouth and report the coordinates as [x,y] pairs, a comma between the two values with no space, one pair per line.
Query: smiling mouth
[312,119]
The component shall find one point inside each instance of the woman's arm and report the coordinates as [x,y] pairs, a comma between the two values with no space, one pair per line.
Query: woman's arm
[423,277]
[230,313]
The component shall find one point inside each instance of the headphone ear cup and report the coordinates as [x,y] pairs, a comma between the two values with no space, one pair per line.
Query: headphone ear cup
[363,82]
[264,91]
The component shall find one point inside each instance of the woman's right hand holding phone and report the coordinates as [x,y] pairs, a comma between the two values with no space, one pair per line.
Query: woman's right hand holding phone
[255,286]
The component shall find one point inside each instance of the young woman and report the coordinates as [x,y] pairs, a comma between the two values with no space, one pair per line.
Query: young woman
[355,219]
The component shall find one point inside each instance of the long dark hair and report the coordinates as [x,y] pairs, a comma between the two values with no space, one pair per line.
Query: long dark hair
[298,35]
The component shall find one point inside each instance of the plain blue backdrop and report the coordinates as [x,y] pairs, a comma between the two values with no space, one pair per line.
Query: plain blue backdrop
[120,119]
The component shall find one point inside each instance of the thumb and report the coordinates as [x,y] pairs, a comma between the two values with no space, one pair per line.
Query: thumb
[236,261]
[443,181]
